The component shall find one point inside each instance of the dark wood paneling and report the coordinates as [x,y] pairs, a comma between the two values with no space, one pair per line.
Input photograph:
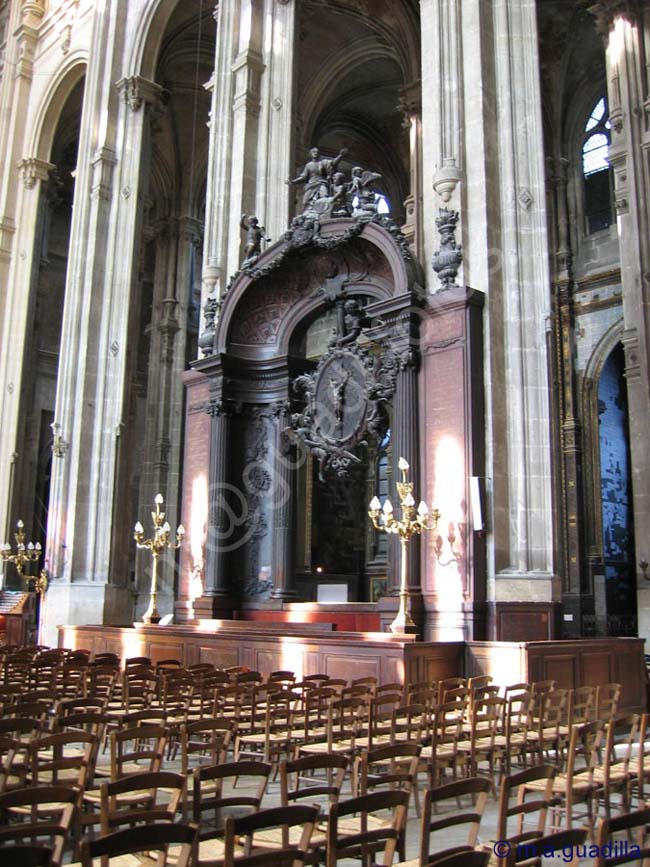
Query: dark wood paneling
[349,655]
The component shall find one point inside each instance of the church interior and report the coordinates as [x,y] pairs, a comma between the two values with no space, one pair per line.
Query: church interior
[325,352]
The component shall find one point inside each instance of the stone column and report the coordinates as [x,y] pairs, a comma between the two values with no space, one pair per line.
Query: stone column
[78,414]
[176,242]
[247,70]
[19,195]
[625,26]
[215,271]
[276,147]
[442,107]
[518,439]
[411,107]
[283,497]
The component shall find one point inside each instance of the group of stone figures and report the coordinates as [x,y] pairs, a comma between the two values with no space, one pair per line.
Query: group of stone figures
[327,193]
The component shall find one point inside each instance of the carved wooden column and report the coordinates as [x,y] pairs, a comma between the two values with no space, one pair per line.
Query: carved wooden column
[215,600]
[625,25]
[283,497]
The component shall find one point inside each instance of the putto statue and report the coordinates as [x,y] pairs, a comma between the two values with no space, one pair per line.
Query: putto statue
[327,192]
[254,235]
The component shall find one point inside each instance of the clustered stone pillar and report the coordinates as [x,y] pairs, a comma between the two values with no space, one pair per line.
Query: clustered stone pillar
[625,26]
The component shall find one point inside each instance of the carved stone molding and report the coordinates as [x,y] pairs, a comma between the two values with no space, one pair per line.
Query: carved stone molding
[137,90]
[34,170]
[103,162]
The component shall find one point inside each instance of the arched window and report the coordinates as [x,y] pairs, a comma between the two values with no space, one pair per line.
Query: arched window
[596,170]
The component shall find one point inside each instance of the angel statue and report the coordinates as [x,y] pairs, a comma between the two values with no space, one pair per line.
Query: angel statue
[316,176]
[254,235]
[361,188]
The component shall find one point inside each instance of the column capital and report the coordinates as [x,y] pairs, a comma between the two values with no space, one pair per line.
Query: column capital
[136,90]
[32,12]
[410,101]
[34,169]
[607,11]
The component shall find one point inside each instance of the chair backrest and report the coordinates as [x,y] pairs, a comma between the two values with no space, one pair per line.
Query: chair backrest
[217,775]
[475,788]
[393,765]
[144,744]
[207,740]
[366,839]
[56,759]
[300,778]
[561,844]
[636,849]
[277,817]
[20,855]
[144,838]
[123,802]
[535,805]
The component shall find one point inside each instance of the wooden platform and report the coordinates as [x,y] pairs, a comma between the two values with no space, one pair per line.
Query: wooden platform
[313,648]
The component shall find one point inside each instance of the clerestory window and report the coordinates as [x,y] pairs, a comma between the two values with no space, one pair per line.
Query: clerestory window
[595,169]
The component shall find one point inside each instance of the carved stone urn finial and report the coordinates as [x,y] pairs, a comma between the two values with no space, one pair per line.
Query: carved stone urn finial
[446,261]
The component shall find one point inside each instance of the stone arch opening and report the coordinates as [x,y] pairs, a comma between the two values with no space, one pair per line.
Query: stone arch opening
[37,433]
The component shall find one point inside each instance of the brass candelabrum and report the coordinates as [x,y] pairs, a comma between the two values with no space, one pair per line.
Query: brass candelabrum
[24,554]
[156,544]
[412,522]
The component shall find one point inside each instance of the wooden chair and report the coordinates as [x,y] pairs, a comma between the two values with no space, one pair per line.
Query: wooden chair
[612,774]
[365,841]
[576,784]
[481,746]
[629,851]
[639,766]
[442,754]
[270,739]
[42,811]
[537,782]
[432,830]
[145,839]
[318,778]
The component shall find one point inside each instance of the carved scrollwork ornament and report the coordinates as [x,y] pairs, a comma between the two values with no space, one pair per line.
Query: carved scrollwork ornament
[343,402]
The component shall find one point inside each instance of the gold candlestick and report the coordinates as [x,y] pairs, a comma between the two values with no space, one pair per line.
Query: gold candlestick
[156,544]
[23,554]
[412,522]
